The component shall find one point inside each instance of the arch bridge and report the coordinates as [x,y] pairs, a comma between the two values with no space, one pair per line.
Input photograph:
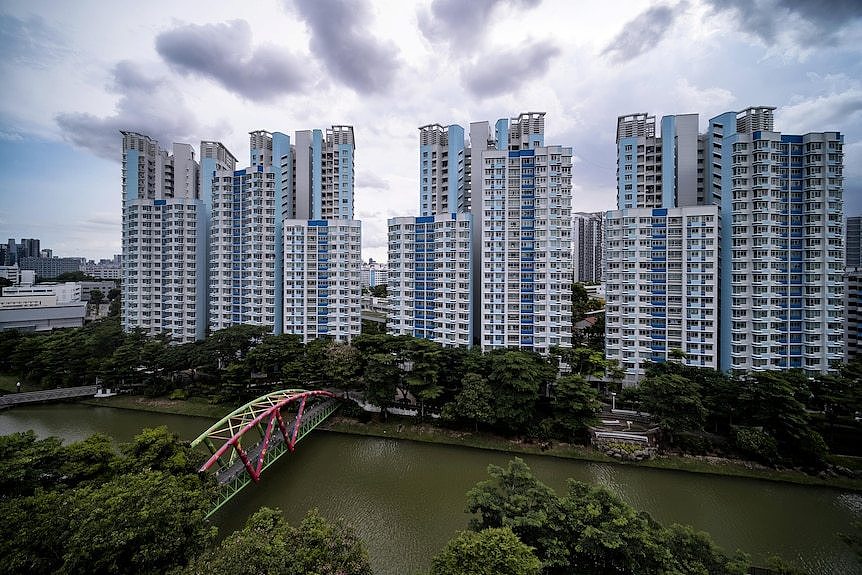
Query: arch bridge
[252,437]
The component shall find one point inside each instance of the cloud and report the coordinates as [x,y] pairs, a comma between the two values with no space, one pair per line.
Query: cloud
[103,219]
[461,24]
[224,53]
[30,42]
[368,179]
[340,37]
[829,112]
[148,104]
[643,33]
[773,19]
[500,72]
[690,98]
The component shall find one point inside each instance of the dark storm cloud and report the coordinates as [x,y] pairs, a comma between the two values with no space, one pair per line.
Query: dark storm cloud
[147,104]
[340,37]
[643,33]
[224,53]
[461,24]
[502,72]
[30,41]
[765,19]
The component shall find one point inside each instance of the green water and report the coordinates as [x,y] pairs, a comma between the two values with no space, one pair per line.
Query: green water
[407,499]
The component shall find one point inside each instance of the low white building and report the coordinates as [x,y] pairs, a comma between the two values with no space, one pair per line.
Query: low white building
[41,307]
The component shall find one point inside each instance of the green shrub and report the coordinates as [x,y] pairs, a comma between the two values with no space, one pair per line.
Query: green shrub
[755,442]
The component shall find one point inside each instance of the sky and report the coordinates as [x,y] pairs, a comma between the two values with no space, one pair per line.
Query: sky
[76,73]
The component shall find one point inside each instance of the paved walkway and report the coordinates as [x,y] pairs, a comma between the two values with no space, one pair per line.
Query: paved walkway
[11,399]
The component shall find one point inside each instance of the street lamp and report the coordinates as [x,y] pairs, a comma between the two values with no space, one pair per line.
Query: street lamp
[613,400]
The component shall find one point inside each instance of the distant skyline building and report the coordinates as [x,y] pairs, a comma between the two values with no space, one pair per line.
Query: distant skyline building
[374,274]
[13,252]
[587,246]
[49,268]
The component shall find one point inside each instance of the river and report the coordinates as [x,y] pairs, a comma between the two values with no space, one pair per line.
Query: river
[406,499]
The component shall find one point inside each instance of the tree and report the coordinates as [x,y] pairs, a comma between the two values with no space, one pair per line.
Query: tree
[381,377]
[516,378]
[28,463]
[96,297]
[473,404]
[488,552]
[77,509]
[589,530]
[674,401]
[157,449]
[5,282]
[514,498]
[378,291]
[769,400]
[268,544]
[137,523]
[574,405]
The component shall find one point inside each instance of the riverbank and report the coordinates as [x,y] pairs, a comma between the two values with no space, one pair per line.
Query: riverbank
[399,428]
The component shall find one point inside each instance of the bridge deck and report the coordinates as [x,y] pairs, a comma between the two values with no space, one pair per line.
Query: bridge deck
[237,468]
[11,399]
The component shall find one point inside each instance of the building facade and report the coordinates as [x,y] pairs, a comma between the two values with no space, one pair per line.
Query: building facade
[853,313]
[526,268]
[587,247]
[778,255]
[163,233]
[502,202]
[243,242]
[661,287]
[782,244]
[321,279]
[853,242]
[430,281]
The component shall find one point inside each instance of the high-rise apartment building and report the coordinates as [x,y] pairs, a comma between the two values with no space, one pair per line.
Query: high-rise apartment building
[776,202]
[526,268]
[782,243]
[203,245]
[430,284]
[489,259]
[661,287]
[162,233]
[244,247]
[587,246]
[322,295]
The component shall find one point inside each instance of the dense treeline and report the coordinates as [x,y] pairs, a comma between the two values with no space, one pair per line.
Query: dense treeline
[507,391]
[777,417]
